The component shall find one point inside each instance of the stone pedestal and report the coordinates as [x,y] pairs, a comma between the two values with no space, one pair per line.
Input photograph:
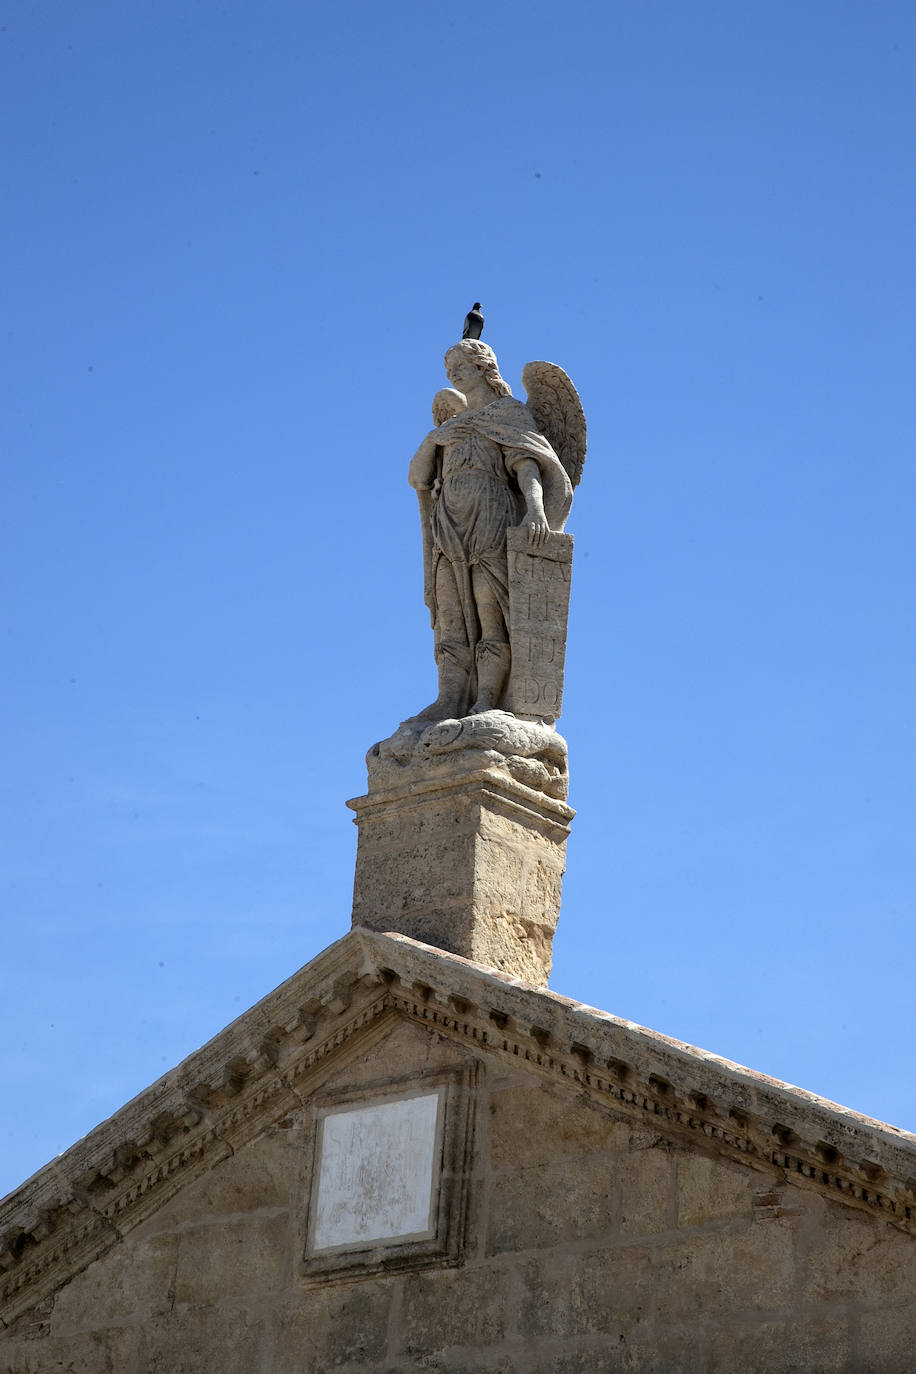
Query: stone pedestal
[464,857]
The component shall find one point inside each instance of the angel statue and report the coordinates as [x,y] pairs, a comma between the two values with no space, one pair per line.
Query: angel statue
[490,464]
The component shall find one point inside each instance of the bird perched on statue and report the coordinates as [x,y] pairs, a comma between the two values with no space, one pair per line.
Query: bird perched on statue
[473,322]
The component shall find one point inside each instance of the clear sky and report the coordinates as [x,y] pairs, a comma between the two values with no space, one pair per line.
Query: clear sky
[237,240]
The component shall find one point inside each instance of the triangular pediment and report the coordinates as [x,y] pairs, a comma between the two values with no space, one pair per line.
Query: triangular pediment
[276,1056]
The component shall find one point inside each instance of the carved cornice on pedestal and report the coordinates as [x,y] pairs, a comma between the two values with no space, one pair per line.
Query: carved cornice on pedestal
[550,813]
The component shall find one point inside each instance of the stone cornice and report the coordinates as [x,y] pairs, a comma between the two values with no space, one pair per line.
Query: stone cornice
[493,780]
[266,1064]
[742,1125]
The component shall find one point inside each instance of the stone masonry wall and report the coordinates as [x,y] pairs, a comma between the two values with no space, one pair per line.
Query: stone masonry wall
[593,1245]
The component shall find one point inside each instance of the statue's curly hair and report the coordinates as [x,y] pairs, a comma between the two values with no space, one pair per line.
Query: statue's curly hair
[483,355]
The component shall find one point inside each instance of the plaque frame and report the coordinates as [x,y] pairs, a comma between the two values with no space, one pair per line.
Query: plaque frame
[443,1244]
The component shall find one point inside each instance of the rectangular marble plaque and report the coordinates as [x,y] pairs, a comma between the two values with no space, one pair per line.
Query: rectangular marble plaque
[539,582]
[377,1173]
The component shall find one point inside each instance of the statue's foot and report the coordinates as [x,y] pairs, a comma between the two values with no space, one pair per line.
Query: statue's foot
[435,711]
[483,703]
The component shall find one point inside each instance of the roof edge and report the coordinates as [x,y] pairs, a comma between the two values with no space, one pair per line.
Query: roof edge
[262,1065]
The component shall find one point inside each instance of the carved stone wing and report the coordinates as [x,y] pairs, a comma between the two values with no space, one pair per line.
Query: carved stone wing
[557,410]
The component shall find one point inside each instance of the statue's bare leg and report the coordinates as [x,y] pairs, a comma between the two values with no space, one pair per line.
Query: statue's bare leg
[454,658]
[492,651]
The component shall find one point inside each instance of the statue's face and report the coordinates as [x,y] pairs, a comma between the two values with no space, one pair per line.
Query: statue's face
[461,371]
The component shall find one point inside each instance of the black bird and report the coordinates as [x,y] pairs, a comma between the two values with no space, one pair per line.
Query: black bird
[473,322]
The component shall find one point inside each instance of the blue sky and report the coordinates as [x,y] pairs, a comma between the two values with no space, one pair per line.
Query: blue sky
[237,242]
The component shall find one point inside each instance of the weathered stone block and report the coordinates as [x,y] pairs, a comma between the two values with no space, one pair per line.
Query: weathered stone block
[385,1060]
[747,1270]
[887,1339]
[257,1176]
[711,1190]
[230,1258]
[133,1283]
[550,1204]
[455,1307]
[531,1128]
[636,1347]
[465,1361]
[847,1257]
[472,864]
[586,1294]
[581,1357]
[320,1329]
[798,1344]
[105,1351]
[204,1340]
[644,1178]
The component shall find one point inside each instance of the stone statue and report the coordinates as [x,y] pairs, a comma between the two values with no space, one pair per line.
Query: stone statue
[495,476]
[462,831]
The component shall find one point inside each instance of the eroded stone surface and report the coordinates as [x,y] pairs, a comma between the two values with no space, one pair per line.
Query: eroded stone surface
[528,751]
[539,581]
[468,861]
[462,839]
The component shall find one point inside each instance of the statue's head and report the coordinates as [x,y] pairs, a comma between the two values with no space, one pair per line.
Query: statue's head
[461,357]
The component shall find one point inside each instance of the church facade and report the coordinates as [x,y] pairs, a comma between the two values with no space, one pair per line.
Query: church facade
[401,1161]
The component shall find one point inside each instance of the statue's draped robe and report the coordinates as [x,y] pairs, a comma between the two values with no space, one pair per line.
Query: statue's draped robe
[479,498]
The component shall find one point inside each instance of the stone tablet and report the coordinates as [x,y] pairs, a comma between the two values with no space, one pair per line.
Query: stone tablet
[538,608]
[377,1173]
